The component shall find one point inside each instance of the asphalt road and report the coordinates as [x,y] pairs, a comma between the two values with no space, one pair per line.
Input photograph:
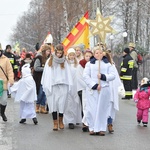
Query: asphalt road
[127,136]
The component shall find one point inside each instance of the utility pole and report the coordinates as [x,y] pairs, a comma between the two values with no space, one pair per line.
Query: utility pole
[95,5]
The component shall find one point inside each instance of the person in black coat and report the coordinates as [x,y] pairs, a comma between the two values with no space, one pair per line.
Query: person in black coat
[126,73]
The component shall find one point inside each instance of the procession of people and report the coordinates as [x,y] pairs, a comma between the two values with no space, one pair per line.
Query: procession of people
[76,91]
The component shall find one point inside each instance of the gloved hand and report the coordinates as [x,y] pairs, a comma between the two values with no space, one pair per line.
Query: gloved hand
[136,100]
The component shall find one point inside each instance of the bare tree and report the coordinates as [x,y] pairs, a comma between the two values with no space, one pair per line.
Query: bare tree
[59,17]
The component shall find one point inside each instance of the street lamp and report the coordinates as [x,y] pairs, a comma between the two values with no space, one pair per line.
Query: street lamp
[111,39]
[125,34]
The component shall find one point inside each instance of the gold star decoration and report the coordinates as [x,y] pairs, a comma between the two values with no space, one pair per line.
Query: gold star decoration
[101,26]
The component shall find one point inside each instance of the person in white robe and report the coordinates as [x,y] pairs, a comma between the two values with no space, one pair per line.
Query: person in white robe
[72,115]
[114,88]
[79,49]
[81,87]
[24,91]
[57,82]
[97,75]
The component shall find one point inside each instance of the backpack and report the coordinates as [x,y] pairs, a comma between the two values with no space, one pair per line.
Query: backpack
[139,59]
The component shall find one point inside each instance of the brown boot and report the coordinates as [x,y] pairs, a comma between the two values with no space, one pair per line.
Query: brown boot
[55,128]
[43,110]
[61,125]
[37,108]
[110,128]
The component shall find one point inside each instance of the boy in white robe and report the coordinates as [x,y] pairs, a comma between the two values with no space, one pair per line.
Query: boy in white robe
[25,93]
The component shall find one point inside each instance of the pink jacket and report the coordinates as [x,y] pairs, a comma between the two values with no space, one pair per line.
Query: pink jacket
[142,98]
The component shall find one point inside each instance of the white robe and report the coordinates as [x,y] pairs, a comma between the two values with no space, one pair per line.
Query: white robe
[24,92]
[114,101]
[56,84]
[73,110]
[81,86]
[98,102]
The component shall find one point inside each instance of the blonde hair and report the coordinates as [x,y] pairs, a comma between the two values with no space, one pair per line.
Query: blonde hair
[97,48]
[75,60]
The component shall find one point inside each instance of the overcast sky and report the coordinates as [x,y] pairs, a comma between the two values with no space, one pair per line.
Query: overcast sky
[10,10]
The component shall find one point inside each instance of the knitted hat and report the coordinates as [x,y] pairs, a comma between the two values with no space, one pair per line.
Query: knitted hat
[131,45]
[144,81]
[127,50]
[81,46]
[70,50]
[37,46]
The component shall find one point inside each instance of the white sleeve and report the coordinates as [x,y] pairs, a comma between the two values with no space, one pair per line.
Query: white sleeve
[87,76]
[80,81]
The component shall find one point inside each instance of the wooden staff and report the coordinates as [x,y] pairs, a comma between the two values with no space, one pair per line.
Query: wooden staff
[103,47]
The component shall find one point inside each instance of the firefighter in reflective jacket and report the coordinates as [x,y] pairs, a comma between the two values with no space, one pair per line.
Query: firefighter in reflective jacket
[126,73]
[12,59]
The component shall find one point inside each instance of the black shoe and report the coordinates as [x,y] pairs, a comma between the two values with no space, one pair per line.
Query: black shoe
[139,121]
[85,129]
[144,125]
[22,121]
[9,95]
[124,98]
[2,111]
[71,126]
[35,121]
[4,117]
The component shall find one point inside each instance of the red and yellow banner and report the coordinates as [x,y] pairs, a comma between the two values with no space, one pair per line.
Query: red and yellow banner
[79,34]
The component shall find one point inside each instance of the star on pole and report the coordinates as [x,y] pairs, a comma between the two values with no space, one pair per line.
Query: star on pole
[101,26]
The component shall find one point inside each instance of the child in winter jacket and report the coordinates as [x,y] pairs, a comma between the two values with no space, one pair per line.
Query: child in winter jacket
[142,96]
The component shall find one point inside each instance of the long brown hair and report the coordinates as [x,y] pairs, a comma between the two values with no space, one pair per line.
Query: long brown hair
[44,49]
[59,47]
[107,54]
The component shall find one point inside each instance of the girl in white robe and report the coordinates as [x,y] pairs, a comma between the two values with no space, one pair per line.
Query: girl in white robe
[57,82]
[72,115]
[25,93]
[98,94]
[81,87]
[114,88]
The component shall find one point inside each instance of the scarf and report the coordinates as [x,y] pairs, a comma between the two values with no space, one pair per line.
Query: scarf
[83,63]
[57,60]
[105,59]
[144,87]
[92,60]
[71,61]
